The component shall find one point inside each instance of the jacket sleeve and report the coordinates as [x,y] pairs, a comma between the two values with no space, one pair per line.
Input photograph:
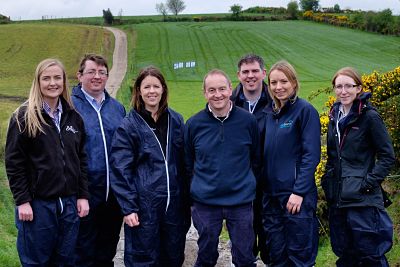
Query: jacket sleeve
[189,154]
[382,144]
[256,150]
[310,136]
[122,163]
[16,160]
[83,191]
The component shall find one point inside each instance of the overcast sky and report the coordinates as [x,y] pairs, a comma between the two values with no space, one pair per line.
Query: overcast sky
[35,9]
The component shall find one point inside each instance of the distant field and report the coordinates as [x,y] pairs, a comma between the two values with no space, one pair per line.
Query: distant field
[316,51]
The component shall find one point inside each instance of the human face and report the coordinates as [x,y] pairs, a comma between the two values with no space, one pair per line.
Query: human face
[251,76]
[93,78]
[217,92]
[151,91]
[51,83]
[345,90]
[280,86]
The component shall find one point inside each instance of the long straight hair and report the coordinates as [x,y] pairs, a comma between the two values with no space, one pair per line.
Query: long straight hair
[33,118]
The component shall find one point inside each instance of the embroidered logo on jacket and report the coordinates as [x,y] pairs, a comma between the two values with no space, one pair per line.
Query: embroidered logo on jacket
[287,124]
[71,129]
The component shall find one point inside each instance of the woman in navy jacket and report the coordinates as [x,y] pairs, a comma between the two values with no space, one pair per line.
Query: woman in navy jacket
[360,155]
[46,167]
[291,155]
[147,176]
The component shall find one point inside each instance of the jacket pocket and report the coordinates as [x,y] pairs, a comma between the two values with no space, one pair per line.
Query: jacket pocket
[351,189]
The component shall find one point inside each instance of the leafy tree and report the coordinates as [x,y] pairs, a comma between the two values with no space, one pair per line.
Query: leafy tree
[307,5]
[336,8]
[108,17]
[384,21]
[292,9]
[236,10]
[175,6]
[162,9]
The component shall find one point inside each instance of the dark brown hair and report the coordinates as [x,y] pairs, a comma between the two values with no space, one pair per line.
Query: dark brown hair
[137,101]
[98,59]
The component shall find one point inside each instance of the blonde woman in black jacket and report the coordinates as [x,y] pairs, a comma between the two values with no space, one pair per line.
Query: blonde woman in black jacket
[360,155]
[46,168]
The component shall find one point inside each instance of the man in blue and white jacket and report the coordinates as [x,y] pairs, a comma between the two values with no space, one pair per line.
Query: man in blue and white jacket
[221,159]
[102,114]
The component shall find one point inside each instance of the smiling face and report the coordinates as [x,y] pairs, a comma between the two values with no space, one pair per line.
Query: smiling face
[151,91]
[217,91]
[93,78]
[280,86]
[51,82]
[346,90]
[251,76]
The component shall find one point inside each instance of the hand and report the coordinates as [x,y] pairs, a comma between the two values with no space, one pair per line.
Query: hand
[83,207]
[131,219]
[294,203]
[25,212]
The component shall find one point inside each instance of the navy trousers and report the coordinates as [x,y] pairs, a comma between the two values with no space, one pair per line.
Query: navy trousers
[159,239]
[208,222]
[48,240]
[99,235]
[260,245]
[291,238]
[360,236]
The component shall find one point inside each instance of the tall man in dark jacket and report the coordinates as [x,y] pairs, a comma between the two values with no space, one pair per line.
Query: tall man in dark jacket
[102,114]
[222,158]
[252,94]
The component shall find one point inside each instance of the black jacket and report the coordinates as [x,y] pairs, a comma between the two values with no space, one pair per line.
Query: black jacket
[50,165]
[239,99]
[358,163]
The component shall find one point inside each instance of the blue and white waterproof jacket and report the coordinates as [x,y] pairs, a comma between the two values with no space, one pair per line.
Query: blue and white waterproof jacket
[141,172]
[292,148]
[99,128]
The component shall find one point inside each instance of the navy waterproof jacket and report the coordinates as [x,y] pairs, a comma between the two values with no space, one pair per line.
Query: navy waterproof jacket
[292,148]
[99,128]
[141,173]
[358,162]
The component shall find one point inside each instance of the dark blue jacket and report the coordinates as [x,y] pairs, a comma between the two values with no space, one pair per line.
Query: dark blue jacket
[292,148]
[221,158]
[99,128]
[239,99]
[358,162]
[140,172]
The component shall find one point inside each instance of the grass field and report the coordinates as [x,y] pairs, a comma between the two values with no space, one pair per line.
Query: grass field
[316,51]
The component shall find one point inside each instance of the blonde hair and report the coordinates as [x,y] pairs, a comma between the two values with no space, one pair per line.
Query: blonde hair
[290,74]
[33,118]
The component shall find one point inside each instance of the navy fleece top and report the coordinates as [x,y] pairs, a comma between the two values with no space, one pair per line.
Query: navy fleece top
[221,158]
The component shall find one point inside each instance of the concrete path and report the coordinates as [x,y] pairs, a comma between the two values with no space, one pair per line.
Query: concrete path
[120,62]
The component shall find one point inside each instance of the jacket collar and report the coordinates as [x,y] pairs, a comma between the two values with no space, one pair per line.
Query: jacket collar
[77,92]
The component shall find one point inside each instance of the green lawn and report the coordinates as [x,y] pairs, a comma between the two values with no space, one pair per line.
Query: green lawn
[316,51]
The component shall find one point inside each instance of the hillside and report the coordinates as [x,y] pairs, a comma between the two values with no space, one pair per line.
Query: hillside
[315,50]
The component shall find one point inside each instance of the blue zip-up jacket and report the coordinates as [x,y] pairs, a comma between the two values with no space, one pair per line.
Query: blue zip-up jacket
[292,148]
[222,157]
[99,128]
[140,172]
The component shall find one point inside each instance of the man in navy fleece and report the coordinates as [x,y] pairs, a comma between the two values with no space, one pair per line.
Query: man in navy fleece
[221,157]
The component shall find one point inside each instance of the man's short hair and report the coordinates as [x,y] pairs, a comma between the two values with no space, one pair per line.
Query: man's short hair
[98,59]
[215,72]
[251,58]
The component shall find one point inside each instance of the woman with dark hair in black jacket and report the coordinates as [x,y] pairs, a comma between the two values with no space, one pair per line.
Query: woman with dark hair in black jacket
[360,155]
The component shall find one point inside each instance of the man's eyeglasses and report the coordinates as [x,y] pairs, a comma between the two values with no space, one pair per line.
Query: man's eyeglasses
[346,87]
[92,73]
